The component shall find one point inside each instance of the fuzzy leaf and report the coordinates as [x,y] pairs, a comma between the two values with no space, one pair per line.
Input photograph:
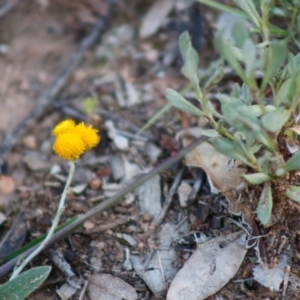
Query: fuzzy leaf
[246,93]
[231,55]
[265,204]
[291,165]
[214,79]
[257,178]
[213,111]
[230,149]
[293,193]
[274,120]
[240,32]
[24,284]
[181,103]
[190,57]
[248,7]
[210,132]
[278,54]
[235,91]
[238,115]
[249,56]
[257,111]
[294,64]
[286,91]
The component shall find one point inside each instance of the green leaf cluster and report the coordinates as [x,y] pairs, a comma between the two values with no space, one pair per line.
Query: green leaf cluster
[264,107]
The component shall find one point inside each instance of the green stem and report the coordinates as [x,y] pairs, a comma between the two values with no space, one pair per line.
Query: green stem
[60,210]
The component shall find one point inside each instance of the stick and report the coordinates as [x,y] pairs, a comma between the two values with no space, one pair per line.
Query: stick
[7,7]
[46,97]
[6,268]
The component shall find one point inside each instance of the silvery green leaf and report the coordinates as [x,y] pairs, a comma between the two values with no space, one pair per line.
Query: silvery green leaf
[294,63]
[238,115]
[181,103]
[248,7]
[214,79]
[231,54]
[249,56]
[246,94]
[257,178]
[210,133]
[261,57]
[274,120]
[190,58]
[230,149]
[213,111]
[298,24]
[257,111]
[265,204]
[255,148]
[184,43]
[279,52]
[239,139]
[240,32]
[293,193]
[235,92]
[291,165]
[286,91]
[24,284]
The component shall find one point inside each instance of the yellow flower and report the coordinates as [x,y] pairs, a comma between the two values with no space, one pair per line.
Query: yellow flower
[63,126]
[73,140]
[69,146]
[89,135]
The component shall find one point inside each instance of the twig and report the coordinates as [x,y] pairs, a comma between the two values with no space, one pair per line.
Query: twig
[85,285]
[168,200]
[108,226]
[286,281]
[46,97]
[6,268]
[7,7]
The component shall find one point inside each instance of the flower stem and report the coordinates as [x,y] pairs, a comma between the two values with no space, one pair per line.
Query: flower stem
[60,210]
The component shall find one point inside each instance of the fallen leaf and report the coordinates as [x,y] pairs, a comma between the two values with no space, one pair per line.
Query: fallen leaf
[162,264]
[107,287]
[221,174]
[155,17]
[270,278]
[66,291]
[149,195]
[209,268]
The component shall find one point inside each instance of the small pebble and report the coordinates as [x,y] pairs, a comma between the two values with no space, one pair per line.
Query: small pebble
[29,142]
[100,245]
[95,184]
[147,218]
[88,225]
[7,184]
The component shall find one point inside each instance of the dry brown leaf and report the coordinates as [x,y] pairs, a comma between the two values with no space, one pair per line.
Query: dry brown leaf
[215,164]
[107,287]
[210,267]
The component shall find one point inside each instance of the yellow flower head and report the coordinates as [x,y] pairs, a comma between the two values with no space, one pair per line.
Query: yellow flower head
[73,140]
[88,134]
[63,126]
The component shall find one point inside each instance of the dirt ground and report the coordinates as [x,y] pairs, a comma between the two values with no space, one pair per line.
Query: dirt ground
[126,77]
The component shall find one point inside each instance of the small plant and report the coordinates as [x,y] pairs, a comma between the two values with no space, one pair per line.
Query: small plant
[258,124]
[71,142]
